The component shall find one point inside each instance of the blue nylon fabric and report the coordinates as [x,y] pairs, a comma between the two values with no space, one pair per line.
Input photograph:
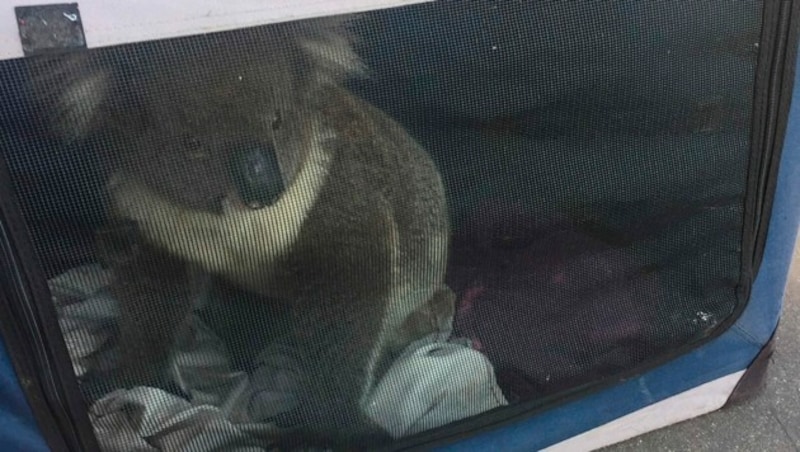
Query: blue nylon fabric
[18,428]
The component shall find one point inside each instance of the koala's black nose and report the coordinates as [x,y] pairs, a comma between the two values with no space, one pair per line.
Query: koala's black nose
[256,174]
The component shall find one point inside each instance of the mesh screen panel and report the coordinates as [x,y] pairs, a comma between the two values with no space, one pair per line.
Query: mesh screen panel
[351,230]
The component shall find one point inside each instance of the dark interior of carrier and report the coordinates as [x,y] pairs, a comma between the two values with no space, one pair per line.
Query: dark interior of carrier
[595,158]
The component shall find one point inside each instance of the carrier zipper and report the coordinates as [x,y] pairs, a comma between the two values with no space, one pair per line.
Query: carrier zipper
[769,125]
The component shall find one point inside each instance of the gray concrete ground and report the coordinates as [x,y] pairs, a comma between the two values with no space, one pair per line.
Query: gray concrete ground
[769,422]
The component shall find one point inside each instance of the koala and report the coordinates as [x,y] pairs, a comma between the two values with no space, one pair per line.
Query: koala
[243,156]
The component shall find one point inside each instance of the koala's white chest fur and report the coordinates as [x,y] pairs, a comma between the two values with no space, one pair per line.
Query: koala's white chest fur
[240,243]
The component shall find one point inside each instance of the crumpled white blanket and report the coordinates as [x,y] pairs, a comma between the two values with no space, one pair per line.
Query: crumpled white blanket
[437,380]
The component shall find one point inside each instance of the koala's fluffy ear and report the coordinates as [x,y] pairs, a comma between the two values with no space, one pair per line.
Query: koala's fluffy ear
[70,92]
[328,42]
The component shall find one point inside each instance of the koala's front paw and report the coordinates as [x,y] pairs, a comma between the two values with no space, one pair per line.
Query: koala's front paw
[433,317]
[129,199]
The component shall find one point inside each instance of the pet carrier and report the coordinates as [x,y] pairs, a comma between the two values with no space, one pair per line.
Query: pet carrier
[389,224]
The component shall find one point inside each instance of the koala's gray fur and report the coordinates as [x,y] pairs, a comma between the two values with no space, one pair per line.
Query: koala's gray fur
[356,242]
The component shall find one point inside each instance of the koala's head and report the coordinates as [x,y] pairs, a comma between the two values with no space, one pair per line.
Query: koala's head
[203,118]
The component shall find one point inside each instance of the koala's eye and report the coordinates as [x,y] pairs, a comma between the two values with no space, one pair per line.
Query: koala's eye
[277,120]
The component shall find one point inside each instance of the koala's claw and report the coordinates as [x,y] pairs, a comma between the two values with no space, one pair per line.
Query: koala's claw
[228,206]
[124,198]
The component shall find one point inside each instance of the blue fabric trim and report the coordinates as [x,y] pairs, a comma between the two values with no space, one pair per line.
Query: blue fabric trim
[18,428]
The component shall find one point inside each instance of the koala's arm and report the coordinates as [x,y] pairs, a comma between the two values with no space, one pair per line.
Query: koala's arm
[155,293]
[344,320]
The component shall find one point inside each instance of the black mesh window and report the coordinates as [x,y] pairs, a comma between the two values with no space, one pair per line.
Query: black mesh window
[350,230]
